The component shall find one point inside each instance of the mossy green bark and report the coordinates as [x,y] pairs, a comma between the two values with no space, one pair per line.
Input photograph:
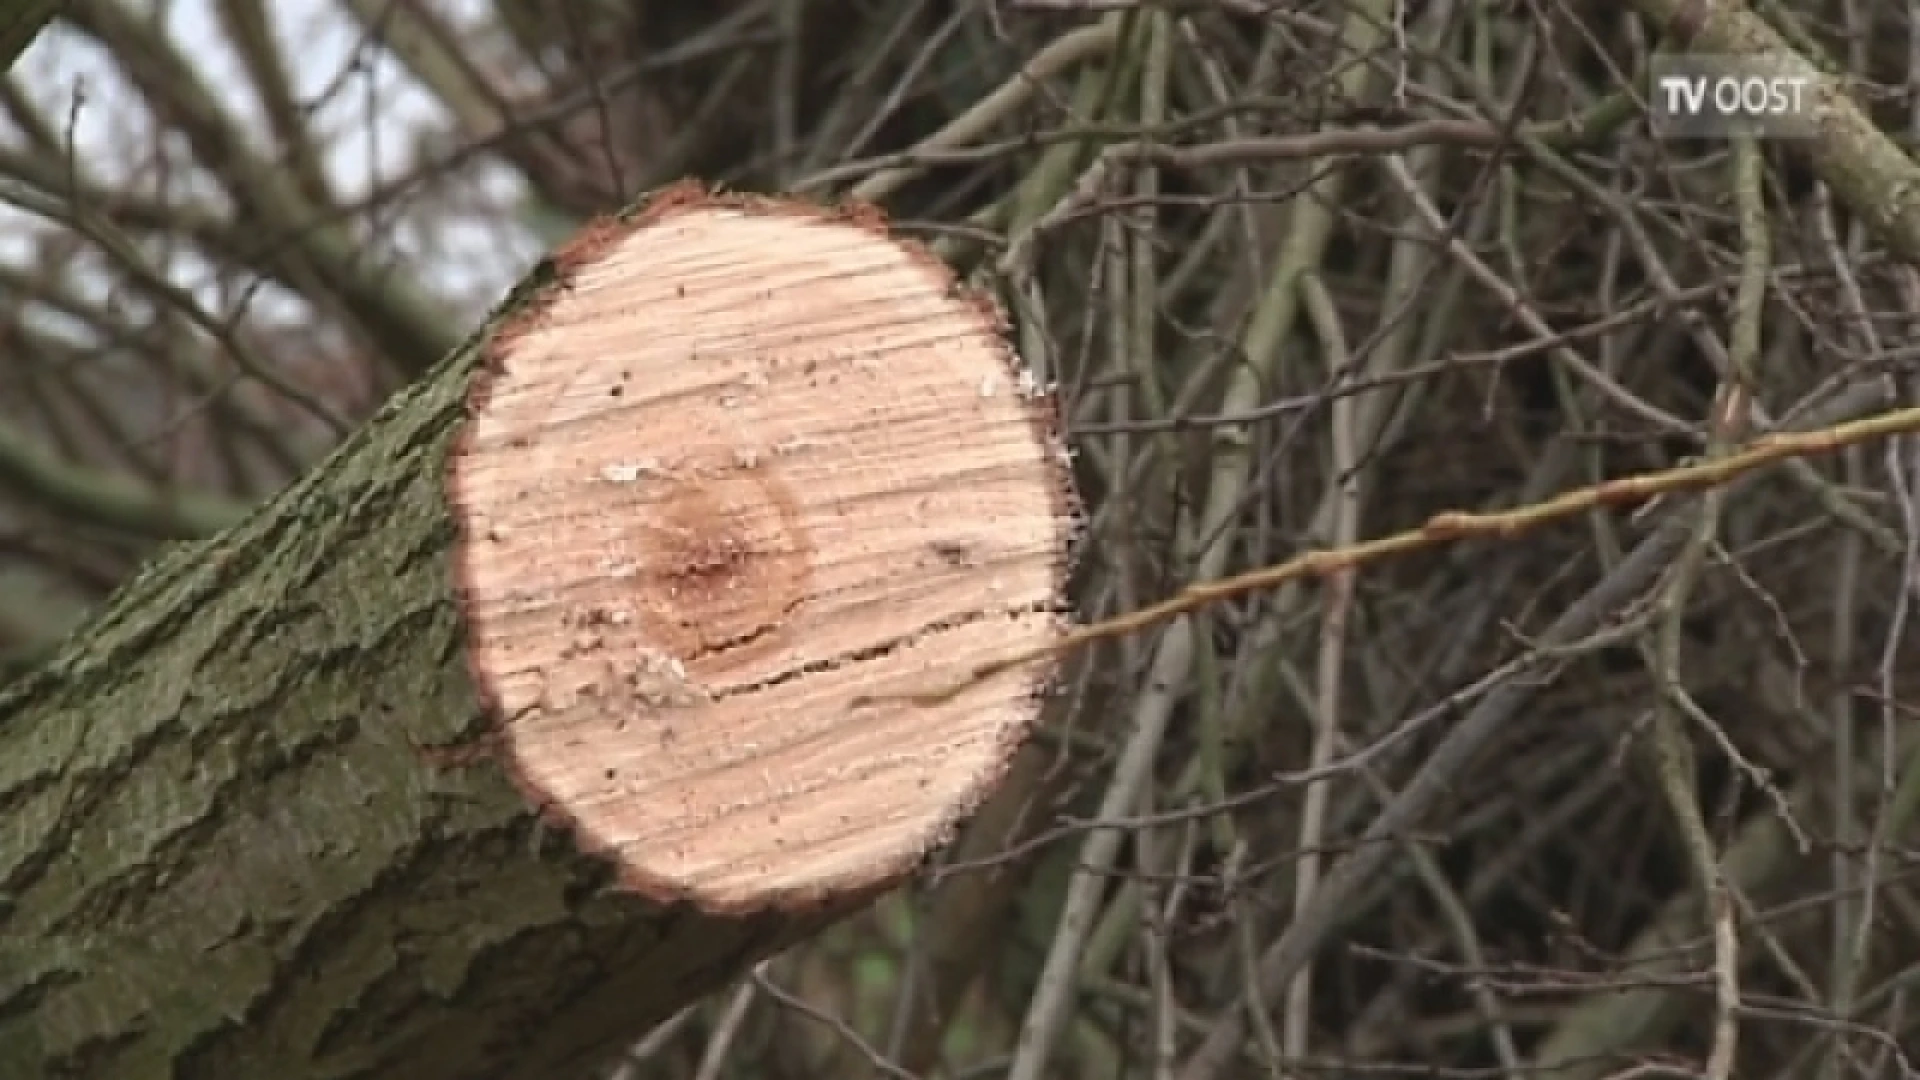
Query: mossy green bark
[244,831]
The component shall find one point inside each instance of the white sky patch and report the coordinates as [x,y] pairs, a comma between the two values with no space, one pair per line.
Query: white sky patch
[462,239]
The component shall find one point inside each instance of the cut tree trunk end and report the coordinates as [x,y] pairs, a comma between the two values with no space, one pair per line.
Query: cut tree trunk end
[751,466]
[561,693]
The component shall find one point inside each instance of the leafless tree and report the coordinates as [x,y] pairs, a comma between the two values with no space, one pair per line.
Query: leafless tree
[1623,784]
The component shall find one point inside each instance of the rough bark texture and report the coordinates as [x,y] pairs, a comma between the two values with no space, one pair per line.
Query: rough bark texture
[257,820]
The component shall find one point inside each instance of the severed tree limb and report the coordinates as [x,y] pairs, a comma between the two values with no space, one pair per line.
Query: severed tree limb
[526,718]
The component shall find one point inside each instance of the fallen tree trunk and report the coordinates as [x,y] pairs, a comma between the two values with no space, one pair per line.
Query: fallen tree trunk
[548,702]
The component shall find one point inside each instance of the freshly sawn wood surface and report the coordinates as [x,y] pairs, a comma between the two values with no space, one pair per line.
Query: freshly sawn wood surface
[557,695]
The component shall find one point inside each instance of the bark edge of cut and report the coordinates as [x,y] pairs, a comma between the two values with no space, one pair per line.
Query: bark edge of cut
[737,465]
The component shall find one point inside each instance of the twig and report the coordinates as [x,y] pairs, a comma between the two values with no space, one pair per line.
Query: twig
[1442,528]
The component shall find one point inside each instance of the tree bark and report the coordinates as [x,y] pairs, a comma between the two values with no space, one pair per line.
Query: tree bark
[547,703]
[1868,171]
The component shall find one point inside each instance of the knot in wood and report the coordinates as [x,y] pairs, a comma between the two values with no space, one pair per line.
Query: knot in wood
[721,556]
